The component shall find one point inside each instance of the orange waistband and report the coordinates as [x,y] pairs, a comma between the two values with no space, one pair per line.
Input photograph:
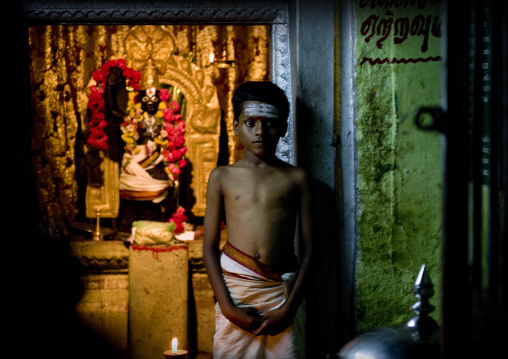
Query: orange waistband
[253,263]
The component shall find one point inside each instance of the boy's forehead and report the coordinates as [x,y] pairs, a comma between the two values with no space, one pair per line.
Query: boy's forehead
[259,109]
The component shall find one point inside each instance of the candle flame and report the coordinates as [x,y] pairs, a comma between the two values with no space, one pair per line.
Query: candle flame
[174,345]
[212,57]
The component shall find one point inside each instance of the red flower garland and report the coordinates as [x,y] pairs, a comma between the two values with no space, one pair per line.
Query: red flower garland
[178,218]
[174,149]
[97,137]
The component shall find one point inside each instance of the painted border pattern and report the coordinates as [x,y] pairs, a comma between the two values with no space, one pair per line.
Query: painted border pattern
[89,12]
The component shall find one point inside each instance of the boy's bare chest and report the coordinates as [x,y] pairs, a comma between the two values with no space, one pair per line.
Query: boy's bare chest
[265,189]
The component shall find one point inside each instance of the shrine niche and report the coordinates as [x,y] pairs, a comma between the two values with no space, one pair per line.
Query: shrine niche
[62,59]
[150,51]
[68,180]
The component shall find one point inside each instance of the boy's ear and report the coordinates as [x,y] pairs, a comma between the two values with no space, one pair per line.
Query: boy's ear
[235,126]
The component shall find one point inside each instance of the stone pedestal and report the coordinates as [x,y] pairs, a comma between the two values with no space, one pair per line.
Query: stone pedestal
[158,299]
[103,305]
[103,308]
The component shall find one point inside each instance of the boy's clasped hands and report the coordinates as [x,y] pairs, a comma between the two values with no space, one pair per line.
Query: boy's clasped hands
[272,322]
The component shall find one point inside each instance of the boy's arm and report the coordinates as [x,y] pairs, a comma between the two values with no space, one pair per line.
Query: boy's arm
[278,320]
[242,317]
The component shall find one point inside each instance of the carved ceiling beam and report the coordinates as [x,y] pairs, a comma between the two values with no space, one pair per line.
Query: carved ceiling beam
[174,12]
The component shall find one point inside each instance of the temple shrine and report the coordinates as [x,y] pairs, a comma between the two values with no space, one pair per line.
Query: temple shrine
[397,112]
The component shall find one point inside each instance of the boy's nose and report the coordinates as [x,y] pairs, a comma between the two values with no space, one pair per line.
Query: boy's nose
[259,129]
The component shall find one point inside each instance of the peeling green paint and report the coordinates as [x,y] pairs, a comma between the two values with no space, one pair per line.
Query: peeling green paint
[399,183]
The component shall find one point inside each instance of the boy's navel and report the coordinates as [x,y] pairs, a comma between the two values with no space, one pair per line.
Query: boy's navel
[237,197]
[258,255]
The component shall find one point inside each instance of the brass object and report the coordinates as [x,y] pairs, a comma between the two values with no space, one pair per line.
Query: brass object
[416,339]
[106,197]
[168,354]
[224,62]
[97,234]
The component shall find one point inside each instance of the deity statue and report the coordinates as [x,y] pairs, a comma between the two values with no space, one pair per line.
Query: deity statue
[147,135]
[152,132]
[143,176]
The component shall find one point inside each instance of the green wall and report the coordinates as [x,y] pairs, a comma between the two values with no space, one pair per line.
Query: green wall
[399,165]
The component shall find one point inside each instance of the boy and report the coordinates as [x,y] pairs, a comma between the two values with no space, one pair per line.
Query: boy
[257,280]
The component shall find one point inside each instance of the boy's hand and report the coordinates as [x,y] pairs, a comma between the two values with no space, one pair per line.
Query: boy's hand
[248,319]
[274,322]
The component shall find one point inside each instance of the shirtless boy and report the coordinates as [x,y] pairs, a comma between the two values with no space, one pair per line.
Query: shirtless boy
[257,279]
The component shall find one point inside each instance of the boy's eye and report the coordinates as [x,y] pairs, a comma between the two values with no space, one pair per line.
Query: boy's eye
[249,122]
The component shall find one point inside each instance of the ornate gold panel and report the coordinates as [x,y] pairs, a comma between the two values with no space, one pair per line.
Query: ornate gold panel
[204,150]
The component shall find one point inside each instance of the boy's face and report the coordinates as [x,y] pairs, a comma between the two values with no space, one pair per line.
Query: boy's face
[259,127]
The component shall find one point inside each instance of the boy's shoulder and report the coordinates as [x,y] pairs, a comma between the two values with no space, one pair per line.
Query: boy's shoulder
[221,171]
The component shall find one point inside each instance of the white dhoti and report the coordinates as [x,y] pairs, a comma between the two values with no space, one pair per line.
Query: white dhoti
[136,183]
[252,284]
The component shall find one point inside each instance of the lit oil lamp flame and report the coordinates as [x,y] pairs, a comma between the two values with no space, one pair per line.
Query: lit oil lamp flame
[174,345]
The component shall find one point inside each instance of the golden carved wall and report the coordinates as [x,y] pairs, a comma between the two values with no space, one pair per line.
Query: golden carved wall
[62,61]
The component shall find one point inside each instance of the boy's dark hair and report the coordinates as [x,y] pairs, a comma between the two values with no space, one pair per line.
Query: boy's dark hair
[263,91]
